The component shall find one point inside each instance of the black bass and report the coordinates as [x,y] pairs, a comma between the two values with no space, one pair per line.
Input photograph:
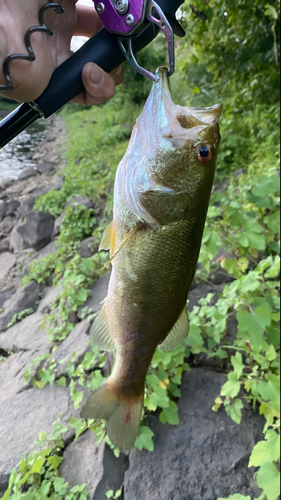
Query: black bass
[162,190]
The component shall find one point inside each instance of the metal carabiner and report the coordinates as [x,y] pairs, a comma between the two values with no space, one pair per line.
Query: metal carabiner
[161,22]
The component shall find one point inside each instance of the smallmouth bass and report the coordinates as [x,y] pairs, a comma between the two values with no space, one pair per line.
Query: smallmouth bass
[162,190]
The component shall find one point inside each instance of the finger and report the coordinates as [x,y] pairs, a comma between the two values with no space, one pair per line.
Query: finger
[99,86]
[88,21]
[118,74]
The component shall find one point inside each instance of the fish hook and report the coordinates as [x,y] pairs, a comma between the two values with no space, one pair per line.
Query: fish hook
[30,56]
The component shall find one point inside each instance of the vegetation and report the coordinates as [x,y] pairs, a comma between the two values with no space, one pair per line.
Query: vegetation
[229,55]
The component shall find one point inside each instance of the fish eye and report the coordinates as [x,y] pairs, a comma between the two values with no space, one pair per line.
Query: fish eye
[204,153]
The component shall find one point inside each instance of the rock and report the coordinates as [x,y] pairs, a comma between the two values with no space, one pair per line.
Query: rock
[8,208]
[86,462]
[12,373]
[46,167]
[24,298]
[2,209]
[25,207]
[83,462]
[16,240]
[31,186]
[47,250]
[88,247]
[232,329]
[205,457]
[58,185]
[6,183]
[81,201]
[26,335]
[57,225]
[12,206]
[198,292]
[28,259]
[36,232]
[99,293]
[5,245]
[77,343]
[113,474]
[26,415]
[6,294]
[7,262]
[51,296]
[7,225]
[28,172]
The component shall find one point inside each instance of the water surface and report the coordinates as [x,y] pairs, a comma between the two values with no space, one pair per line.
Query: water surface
[17,155]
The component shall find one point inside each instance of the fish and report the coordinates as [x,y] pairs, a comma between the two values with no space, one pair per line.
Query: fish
[161,195]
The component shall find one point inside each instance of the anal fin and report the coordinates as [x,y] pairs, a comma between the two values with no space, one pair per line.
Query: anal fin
[100,334]
[178,333]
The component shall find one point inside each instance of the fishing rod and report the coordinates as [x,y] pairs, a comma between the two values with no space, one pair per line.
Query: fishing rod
[129,26]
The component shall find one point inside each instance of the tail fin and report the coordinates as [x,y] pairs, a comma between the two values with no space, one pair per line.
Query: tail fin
[122,414]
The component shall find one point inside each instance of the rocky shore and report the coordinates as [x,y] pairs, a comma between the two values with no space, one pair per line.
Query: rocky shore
[205,457]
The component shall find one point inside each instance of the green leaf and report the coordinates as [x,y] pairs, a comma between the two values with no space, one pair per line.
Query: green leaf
[212,241]
[194,339]
[231,267]
[243,239]
[271,12]
[268,479]
[62,381]
[79,426]
[144,439]
[170,414]
[232,387]
[55,461]
[234,410]
[109,494]
[36,468]
[259,455]
[270,392]
[237,364]
[158,398]
[273,444]
[251,324]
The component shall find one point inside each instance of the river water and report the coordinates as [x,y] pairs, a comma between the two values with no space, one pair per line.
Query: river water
[17,155]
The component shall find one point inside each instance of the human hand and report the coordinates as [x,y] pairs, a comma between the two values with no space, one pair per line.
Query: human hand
[31,78]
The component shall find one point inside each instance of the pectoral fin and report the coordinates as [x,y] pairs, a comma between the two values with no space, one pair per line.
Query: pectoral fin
[100,334]
[108,239]
[178,333]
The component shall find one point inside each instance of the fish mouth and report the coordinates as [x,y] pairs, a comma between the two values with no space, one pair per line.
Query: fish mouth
[189,117]
[210,115]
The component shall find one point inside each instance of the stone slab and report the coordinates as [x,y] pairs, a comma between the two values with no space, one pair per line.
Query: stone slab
[23,416]
[99,293]
[7,262]
[205,457]
[23,299]
[26,336]
[85,462]
[12,373]
[77,343]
